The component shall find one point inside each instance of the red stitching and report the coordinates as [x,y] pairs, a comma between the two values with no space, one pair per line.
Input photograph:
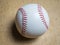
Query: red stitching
[42,16]
[24,20]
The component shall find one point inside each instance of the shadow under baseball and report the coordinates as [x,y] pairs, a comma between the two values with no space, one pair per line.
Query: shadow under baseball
[17,36]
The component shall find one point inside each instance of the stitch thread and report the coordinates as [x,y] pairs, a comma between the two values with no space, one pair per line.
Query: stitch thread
[24,20]
[42,16]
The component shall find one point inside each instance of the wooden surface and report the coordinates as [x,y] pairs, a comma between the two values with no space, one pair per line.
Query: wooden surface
[8,32]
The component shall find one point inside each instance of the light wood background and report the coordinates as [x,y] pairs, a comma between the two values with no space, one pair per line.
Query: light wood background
[8,32]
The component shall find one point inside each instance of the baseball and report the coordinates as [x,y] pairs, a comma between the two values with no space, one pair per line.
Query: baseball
[32,20]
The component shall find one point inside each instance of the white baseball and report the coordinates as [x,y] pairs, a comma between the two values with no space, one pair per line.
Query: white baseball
[32,20]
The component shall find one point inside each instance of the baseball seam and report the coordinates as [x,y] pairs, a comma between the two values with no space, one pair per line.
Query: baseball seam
[24,20]
[42,16]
